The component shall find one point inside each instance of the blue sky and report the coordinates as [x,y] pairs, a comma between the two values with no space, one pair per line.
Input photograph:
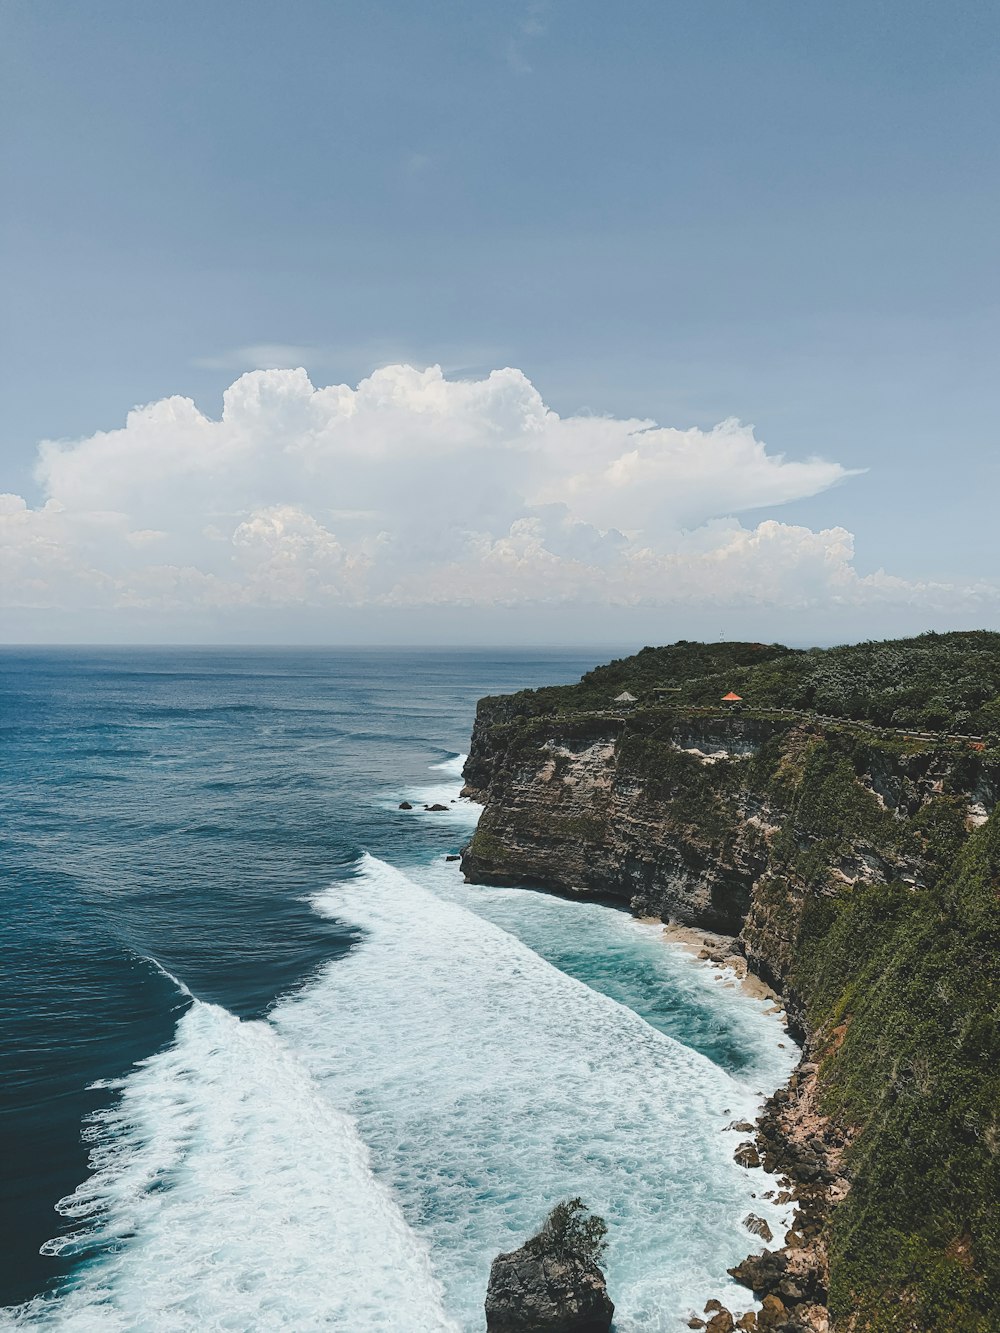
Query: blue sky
[784,213]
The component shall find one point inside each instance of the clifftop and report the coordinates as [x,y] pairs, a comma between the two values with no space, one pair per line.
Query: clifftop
[841,821]
[933,683]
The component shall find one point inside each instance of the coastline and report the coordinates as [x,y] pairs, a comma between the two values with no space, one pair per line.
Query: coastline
[721,951]
[856,866]
[793,1142]
[798,1152]
[790,1141]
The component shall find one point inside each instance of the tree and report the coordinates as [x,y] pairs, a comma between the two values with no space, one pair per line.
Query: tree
[572,1231]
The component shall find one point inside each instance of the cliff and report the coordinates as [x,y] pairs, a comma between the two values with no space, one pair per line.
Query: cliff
[858,863]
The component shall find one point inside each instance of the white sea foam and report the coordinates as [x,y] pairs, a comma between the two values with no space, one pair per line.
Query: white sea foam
[357,1161]
[459,811]
[599,936]
[489,1085]
[235,1196]
[453,766]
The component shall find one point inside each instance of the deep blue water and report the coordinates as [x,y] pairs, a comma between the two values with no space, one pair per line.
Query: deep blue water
[177,811]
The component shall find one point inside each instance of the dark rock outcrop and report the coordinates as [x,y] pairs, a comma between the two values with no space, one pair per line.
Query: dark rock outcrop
[532,1291]
[758,1226]
[553,1283]
[722,1322]
[746,1155]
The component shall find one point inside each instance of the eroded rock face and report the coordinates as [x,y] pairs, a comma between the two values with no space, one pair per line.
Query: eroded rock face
[534,1290]
[631,808]
[579,810]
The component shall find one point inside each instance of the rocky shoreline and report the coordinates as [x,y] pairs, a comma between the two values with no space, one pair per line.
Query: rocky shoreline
[721,951]
[803,1150]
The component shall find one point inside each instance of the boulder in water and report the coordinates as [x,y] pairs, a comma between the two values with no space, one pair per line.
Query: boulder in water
[553,1283]
[746,1154]
[758,1226]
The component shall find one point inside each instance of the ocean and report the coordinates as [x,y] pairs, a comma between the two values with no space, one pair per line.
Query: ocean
[269,1064]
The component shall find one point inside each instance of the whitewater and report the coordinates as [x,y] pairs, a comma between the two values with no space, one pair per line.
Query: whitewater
[356,1159]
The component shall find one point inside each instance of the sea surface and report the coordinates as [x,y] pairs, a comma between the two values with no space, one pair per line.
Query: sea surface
[269,1064]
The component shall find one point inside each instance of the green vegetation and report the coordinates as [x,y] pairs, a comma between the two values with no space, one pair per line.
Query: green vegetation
[901,981]
[573,1232]
[828,811]
[936,682]
[915,978]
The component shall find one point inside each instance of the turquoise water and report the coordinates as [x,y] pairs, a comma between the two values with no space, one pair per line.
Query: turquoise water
[276,1066]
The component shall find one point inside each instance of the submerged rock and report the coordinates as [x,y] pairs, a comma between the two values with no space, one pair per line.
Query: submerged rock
[552,1284]
[758,1226]
[747,1155]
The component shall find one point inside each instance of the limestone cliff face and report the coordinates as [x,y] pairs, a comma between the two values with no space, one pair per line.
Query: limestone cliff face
[707,821]
[571,812]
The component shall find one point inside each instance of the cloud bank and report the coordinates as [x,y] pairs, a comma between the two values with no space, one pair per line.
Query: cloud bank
[412,490]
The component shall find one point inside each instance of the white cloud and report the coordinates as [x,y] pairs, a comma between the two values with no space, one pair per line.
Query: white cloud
[415,490]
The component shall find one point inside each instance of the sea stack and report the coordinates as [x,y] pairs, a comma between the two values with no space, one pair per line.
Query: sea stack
[553,1283]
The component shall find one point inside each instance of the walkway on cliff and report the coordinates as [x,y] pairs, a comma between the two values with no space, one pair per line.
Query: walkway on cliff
[710,714]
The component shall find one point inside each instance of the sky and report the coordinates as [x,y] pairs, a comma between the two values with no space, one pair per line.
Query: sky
[526,322]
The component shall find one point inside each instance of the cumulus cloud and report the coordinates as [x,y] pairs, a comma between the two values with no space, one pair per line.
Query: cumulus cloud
[411,489]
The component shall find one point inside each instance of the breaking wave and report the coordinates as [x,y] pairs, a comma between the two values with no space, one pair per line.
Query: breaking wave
[489,1085]
[229,1193]
[357,1159]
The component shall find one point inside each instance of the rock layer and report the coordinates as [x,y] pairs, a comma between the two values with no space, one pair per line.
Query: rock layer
[578,811]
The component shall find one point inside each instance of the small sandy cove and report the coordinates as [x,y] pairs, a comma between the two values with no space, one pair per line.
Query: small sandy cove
[722,952]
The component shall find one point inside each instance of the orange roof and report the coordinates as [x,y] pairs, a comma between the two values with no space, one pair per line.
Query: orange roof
[731,698]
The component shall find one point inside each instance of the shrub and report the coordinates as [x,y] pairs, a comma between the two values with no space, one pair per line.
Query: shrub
[572,1231]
